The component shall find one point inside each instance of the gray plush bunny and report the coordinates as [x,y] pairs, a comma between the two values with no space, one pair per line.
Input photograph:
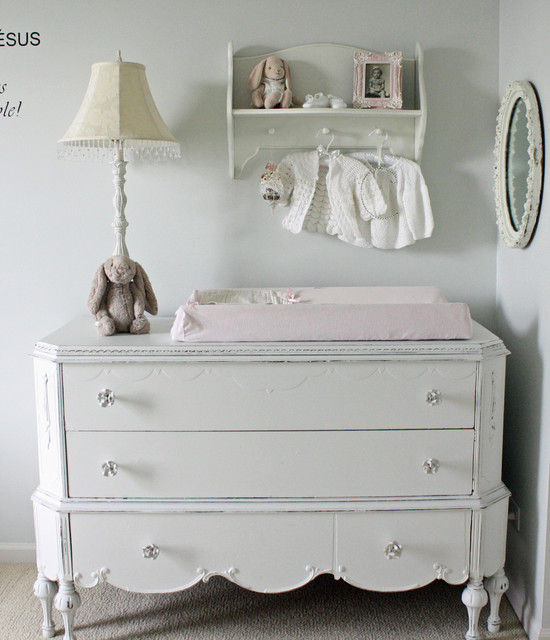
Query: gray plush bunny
[121,293]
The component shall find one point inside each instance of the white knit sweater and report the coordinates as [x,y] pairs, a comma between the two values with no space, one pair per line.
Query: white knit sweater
[387,209]
[409,215]
[353,196]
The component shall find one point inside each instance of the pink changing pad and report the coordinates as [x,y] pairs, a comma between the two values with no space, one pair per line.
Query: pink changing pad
[321,314]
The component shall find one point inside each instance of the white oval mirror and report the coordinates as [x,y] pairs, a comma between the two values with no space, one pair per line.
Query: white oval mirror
[518,167]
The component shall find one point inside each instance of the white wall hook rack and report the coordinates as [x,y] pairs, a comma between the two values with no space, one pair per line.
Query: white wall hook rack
[250,130]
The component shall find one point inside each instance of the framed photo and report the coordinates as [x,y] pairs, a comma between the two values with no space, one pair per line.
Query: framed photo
[377,80]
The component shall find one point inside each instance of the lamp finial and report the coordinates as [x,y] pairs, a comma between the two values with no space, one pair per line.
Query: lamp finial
[118,55]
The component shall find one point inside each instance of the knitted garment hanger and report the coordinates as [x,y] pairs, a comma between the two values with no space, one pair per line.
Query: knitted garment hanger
[324,154]
[382,137]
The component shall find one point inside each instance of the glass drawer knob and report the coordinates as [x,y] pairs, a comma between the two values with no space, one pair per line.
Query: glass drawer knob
[109,469]
[151,551]
[106,398]
[393,550]
[433,397]
[430,466]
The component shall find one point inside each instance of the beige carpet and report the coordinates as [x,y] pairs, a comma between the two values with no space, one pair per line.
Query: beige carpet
[325,609]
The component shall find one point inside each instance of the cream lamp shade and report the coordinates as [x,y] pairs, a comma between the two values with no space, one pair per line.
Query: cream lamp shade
[118,120]
[118,108]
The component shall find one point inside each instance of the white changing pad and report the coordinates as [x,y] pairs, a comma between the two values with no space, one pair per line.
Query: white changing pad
[321,314]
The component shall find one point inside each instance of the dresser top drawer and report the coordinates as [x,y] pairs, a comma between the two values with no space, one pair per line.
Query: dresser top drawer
[267,395]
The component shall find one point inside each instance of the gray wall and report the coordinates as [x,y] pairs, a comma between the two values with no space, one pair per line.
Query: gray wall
[523,311]
[190,225]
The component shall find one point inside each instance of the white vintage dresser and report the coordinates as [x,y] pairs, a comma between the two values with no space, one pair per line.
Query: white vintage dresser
[163,464]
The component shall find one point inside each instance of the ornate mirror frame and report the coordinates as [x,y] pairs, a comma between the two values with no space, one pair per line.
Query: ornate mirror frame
[518,235]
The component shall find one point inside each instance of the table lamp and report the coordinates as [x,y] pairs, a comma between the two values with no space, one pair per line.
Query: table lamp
[118,120]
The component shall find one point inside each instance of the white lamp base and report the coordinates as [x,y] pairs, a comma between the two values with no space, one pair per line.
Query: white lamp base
[120,223]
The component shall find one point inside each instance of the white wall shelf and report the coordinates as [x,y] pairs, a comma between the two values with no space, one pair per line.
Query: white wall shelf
[250,130]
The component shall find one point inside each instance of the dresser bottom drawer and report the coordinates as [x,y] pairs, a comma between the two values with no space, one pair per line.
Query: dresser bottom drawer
[295,464]
[271,552]
[169,552]
[401,550]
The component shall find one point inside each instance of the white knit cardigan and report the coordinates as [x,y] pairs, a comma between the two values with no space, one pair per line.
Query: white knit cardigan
[353,194]
[409,216]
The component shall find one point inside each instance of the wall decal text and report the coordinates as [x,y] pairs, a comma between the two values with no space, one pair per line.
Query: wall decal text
[9,109]
[19,39]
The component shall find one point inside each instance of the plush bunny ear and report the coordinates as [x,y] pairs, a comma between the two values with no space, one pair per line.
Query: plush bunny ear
[142,282]
[255,77]
[98,290]
[287,74]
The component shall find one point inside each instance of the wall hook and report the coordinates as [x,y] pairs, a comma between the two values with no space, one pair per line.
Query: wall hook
[325,131]
[382,137]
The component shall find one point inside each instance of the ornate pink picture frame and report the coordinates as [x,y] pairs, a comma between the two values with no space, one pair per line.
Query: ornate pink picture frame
[377,80]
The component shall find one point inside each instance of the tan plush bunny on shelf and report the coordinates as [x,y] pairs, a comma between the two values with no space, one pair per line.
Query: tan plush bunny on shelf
[121,293]
[269,82]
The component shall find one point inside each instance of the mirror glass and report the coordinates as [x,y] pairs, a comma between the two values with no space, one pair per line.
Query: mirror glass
[517,163]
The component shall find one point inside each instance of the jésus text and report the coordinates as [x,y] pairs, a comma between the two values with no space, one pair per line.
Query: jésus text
[19,39]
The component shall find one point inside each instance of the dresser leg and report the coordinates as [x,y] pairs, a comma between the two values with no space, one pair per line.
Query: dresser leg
[475,598]
[496,586]
[67,602]
[45,590]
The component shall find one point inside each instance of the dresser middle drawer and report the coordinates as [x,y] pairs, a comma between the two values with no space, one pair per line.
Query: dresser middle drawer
[268,464]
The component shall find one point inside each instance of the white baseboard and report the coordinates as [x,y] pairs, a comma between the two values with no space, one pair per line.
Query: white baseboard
[534,632]
[17,552]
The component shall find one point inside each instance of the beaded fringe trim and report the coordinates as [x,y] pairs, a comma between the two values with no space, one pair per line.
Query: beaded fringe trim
[104,150]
